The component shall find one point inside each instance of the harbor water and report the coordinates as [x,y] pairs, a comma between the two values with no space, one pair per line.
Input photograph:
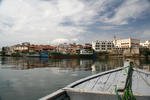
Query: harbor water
[33,78]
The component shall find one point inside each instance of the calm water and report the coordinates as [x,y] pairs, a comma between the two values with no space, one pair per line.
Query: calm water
[33,78]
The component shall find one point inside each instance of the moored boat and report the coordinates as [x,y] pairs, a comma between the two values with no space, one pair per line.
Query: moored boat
[32,55]
[124,83]
[44,54]
[61,55]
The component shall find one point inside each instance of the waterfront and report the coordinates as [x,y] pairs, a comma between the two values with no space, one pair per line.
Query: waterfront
[33,78]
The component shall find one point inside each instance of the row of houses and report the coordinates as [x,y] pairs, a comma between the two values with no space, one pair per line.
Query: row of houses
[115,45]
[25,48]
[61,48]
[75,48]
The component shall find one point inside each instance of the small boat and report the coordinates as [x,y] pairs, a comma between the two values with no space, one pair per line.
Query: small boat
[32,55]
[44,54]
[124,83]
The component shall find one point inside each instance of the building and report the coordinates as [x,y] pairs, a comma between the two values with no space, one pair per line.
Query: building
[87,46]
[146,44]
[6,51]
[26,43]
[69,48]
[20,48]
[38,48]
[102,45]
[86,51]
[126,43]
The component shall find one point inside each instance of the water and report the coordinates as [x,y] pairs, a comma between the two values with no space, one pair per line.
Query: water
[33,78]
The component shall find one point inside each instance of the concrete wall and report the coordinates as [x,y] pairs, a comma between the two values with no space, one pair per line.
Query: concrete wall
[131,52]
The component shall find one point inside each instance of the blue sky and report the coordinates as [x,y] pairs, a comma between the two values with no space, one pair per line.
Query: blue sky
[58,21]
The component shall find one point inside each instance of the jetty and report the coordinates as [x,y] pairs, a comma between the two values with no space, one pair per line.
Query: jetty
[125,83]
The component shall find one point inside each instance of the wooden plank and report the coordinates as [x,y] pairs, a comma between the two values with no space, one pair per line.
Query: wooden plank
[140,83]
[105,83]
[95,76]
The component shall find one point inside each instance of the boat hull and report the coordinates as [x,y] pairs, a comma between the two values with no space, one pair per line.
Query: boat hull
[102,86]
[61,56]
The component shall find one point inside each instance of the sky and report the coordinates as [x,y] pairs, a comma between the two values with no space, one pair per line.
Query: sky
[80,21]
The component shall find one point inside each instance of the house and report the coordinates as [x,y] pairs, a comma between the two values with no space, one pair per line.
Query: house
[100,46]
[146,44]
[126,43]
[20,48]
[86,51]
[6,51]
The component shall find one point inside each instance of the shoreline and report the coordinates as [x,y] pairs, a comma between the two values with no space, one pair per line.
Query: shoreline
[97,57]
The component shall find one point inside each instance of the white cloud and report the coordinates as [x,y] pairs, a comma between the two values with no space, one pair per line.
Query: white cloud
[59,41]
[145,34]
[108,27]
[64,40]
[130,9]
[43,21]
[75,40]
[40,20]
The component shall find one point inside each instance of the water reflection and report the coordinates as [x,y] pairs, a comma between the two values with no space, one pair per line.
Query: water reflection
[97,65]
[32,78]
[74,64]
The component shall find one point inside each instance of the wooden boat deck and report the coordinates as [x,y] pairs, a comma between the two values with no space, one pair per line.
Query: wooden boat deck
[141,82]
[105,83]
[102,86]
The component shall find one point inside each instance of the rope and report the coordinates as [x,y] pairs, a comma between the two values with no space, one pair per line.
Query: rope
[128,94]
[117,94]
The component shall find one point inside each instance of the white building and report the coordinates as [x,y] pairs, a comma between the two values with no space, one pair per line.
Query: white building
[146,44]
[19,48]
[102,45]
[86,51]
[126,43]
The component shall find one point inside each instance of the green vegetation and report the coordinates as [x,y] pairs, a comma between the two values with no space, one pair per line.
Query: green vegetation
[2,53]
[102,53]
[31,53]
[145,52]
[15,54]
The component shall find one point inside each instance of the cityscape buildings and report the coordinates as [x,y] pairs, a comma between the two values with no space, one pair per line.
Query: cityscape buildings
[116,46]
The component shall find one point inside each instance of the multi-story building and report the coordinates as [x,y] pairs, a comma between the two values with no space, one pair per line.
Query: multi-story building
[126,43]
[146,44]
[102,45]
[87,46]
[20,48]
[6,51]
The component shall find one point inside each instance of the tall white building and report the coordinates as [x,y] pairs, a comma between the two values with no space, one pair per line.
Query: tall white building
[126,43]
[146,44]
[102,45]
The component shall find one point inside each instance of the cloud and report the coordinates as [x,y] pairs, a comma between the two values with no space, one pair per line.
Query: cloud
[109,27]
[59,41]
[44,21]
[64,40]
[145,34]
[130,9]
[39,20]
